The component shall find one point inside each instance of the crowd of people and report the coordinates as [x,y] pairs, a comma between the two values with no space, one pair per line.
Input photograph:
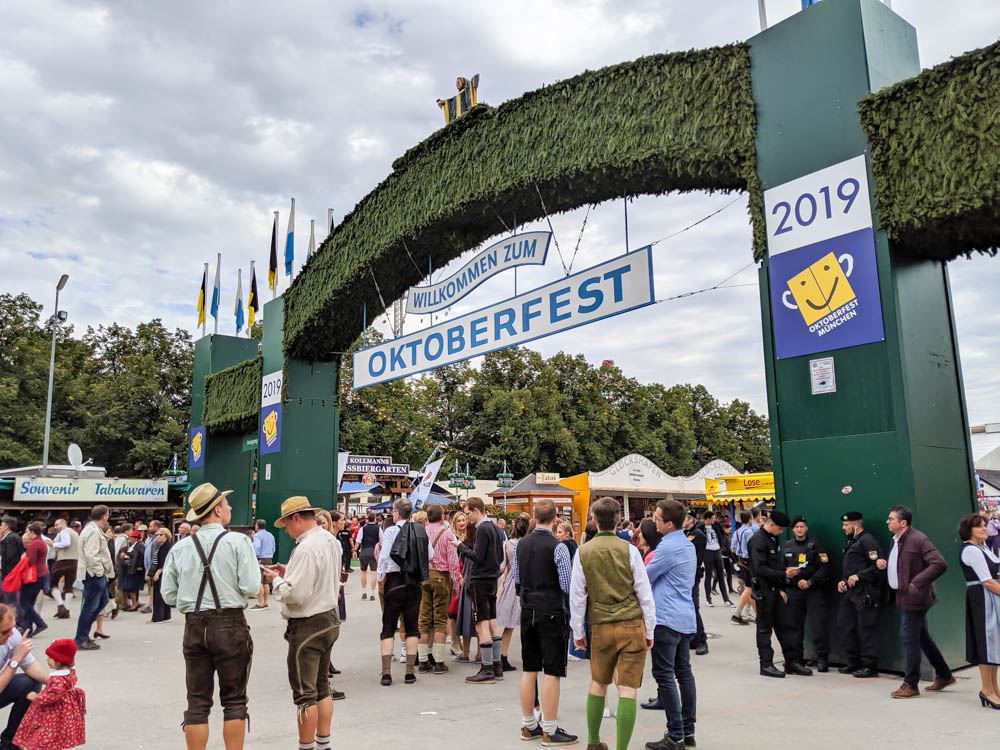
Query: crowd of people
[461,577]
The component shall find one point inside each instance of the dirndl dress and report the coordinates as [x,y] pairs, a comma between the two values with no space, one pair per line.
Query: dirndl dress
[508,602]
[982,611]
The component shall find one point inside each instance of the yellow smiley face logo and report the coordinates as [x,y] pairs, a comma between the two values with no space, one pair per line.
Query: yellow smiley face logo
[821,288]
[196,445]
[270,427]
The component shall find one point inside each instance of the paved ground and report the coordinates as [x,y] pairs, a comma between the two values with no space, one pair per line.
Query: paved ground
[135,695]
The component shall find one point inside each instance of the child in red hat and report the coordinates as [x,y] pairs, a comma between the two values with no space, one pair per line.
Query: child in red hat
[55,718]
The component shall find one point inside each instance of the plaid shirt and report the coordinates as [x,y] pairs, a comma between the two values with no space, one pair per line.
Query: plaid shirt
[445,557]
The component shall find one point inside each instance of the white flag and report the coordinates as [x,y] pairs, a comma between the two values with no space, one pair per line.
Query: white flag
[312,239]
[342,457]
[419,495]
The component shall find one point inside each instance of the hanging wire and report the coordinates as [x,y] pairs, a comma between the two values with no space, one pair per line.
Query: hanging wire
[546,212]
[720,285]
[578,239]
[385,309]
[692,226]
[506,228]
[411,259]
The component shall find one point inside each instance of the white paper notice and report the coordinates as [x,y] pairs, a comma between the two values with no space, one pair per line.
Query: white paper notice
[822,377]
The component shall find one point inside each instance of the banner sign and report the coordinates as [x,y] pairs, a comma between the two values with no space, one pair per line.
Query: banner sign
[250,443]
[822,267]
[270,413]
[196,448]
[528,249]
[382,465]
[48,489]
[420,493]
[611,288]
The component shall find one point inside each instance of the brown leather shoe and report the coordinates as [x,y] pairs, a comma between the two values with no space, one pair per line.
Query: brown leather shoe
[940,684]
[905,691]
[597,746]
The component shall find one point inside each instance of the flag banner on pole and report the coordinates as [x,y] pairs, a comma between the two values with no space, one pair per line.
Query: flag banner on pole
[272,267]
[239,301]
[312,239]
[422,490]
[290,241]
[342,457]
[253,303]
[202,295]
[217,289]
[329,220]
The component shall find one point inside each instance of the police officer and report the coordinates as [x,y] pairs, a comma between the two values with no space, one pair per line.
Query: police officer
[770,578]
[860,588]
[806,597]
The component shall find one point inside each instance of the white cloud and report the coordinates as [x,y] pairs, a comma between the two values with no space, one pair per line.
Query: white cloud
[137,140]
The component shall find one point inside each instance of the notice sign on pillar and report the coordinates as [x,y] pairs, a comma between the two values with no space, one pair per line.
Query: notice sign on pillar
[270,413]
[823,274]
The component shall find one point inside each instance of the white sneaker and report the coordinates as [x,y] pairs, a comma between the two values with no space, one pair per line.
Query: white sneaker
[609,712]
[709,604]
[571,657]
[730,604]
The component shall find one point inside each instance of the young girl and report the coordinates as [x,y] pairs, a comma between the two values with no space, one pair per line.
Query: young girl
[54,720]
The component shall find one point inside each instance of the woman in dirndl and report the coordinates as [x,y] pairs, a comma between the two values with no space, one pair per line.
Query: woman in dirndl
[982,606]
[508,602]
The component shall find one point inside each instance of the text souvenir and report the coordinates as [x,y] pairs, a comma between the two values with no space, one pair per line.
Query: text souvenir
[528,249]
[823,274]
[270,413]
[610,288]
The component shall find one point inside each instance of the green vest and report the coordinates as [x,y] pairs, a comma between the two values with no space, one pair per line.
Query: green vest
[610,592]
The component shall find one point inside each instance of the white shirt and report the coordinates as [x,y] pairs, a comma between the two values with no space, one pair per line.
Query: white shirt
[386,564]
[973,557]
[712,539]
[891,571]
[311,584]
[640,582]
[7,649]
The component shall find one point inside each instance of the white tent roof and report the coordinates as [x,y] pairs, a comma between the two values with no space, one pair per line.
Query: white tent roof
[636,473]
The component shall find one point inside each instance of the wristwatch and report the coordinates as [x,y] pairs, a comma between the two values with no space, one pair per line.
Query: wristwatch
[13,664]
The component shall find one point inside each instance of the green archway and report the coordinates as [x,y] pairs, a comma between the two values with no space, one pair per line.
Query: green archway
[743,117]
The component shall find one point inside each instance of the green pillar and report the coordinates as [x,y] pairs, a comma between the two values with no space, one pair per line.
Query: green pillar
[306,463]
[225,464]
[895,431]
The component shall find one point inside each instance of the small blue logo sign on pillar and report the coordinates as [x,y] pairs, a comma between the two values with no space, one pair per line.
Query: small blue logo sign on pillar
[196,448]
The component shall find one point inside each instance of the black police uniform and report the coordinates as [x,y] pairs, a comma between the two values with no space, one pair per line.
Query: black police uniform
[696,535]
[807,604]
[857,619]
[768,570]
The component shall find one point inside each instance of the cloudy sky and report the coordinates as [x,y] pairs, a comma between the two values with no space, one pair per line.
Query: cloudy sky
[137,140]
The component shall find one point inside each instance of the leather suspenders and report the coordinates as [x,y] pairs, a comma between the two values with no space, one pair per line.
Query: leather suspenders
[206,575]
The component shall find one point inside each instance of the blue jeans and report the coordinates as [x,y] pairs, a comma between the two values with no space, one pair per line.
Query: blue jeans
[95,598]
[914,637]
[29,593]
[672,670]
[14,696]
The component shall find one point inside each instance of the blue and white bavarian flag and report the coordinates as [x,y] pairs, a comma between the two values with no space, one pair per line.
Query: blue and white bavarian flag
[290,241]
[239,301]
[217,289]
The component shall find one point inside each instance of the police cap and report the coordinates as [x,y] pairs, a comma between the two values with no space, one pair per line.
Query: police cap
[852,515]
[779,518]
[798,519]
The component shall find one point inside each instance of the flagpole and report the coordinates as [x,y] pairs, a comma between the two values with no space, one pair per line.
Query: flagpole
[762,12]
[239,298]
[204,318]
[329,220]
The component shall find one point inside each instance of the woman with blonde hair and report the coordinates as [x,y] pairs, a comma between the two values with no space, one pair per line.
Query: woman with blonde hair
[161,610]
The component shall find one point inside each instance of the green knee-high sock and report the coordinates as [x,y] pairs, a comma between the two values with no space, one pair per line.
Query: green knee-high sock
[626,721]
[595,712]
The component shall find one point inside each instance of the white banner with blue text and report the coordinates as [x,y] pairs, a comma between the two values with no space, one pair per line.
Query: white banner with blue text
[611,288]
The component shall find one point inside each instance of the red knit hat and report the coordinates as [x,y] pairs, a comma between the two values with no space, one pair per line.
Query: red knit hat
[62,651]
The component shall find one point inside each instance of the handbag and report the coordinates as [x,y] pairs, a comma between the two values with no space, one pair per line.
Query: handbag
[29,574]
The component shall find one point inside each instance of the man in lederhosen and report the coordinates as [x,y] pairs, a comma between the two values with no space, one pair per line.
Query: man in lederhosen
[208,576]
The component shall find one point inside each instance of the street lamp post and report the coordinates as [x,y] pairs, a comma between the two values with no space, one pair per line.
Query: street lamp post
[57,319]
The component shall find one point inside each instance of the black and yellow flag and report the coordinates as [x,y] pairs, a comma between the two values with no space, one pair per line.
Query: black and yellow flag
[253,301]
[201,296]
[272,267]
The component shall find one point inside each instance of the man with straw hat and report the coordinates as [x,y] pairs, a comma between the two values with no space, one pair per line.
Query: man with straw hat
[308,588]
[208,577]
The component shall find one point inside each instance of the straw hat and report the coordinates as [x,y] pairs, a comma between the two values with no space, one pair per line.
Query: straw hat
[297,504]
[202,499]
